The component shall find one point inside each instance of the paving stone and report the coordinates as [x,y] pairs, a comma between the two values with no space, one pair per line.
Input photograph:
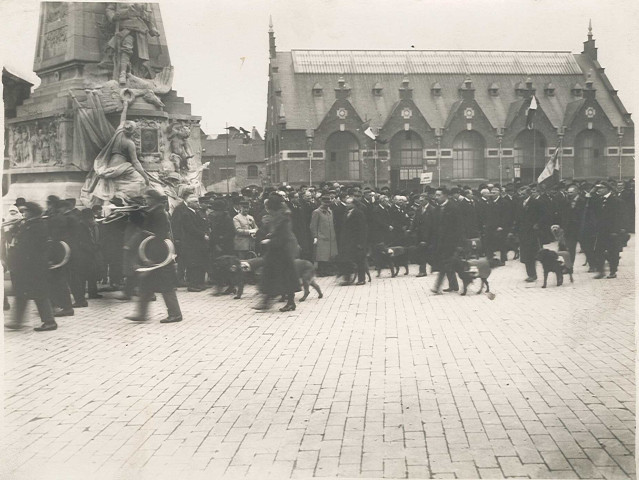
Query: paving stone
[378,381]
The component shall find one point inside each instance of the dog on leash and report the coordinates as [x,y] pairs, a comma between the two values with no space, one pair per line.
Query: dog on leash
[470,269]
[392,258]
[559,263]
[237,271]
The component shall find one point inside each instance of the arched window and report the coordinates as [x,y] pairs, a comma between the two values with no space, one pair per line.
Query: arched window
[589,154]
[407,149]
[530,153]
[251,171]
[468,155]
[342,154]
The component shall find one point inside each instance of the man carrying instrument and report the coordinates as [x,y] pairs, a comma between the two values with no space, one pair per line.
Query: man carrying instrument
[28,264]
[160,276]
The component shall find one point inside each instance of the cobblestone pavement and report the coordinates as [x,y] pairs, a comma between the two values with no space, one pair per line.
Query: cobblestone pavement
[384,380]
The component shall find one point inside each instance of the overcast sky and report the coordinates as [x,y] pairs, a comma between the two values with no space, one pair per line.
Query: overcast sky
[207,39]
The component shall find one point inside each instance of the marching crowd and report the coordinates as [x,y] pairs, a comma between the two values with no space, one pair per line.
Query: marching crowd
[145,245]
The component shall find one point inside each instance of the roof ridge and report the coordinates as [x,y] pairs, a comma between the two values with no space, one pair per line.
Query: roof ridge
[420,50]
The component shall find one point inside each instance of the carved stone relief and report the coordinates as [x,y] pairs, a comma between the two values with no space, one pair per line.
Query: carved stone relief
[55,43]
[35,144]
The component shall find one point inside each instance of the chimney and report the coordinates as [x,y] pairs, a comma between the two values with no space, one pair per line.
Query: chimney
[589,45]
[405,92]
[466,90]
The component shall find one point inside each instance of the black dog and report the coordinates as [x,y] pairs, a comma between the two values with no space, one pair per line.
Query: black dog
[469,270]
[393,258]
[557,262]
[237,271]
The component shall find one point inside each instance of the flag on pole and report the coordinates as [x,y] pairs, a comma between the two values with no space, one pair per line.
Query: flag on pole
[530,113]
[550,174]
[370,134]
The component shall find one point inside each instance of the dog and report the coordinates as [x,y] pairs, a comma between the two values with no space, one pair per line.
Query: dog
[512,245]
[560,237]
[393,258]
[238,271]
[469,270]
[558,262]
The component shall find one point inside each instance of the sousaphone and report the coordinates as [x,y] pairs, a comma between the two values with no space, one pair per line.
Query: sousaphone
[155,253]
[58,253]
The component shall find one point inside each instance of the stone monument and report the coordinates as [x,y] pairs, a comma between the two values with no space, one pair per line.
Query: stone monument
[101,65]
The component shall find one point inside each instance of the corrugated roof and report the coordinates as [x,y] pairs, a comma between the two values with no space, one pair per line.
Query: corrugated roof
[434,62]
[304,109]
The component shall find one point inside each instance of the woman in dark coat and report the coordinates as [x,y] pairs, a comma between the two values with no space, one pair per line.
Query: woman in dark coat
[279,276]
[28,264]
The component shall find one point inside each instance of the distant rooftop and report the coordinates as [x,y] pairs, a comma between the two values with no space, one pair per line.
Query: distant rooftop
[434,62]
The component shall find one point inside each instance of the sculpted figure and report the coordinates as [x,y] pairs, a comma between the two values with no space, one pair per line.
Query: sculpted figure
[116,168]
[133,23]
[180,148]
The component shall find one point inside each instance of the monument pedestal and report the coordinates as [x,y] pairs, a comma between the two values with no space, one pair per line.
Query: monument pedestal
[54,138]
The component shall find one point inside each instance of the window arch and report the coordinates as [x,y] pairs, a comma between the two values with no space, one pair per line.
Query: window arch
[468,155]
[251,171]
[590,146]
[530,153]
[407,149]
[342,153]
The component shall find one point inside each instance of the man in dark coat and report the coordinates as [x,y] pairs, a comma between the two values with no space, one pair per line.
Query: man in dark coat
[61,229]
[88,250]
[222,230]
[176,225]
[28,264]
[495,226]
[164,279]
[381,227]
[627,197]
[195,237]
[338,207]
[423,231]
[279,276]
[572,220]
[448,236]
[609,216]
[71,225]
[301,212]
[529,221]
[353,242]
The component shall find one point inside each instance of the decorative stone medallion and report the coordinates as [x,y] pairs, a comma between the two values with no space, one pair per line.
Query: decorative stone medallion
[407,113]
[590,112]
[342,113]
[469,113]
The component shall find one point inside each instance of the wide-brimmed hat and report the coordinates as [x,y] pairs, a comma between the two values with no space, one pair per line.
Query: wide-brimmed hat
[219,205]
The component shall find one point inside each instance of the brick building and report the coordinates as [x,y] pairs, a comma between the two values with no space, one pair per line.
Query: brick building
[459,114]
[236,160]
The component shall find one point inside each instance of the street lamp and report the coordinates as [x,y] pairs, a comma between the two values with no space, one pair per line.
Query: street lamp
[310,133]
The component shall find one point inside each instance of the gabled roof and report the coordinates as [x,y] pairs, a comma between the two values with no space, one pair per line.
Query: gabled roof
[299,70]
[251,153]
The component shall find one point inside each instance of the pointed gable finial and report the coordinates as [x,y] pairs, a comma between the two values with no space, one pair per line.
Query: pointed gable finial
[590,28]
[270,24]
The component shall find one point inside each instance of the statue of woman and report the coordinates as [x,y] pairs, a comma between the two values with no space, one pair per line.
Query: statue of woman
[117,169]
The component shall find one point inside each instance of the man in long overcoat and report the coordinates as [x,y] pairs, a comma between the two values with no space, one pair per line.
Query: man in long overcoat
[324,237]
[529,224]
[353,242]
[28,264]
[195,236]
[609,215]
[447,238]
[162,280]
